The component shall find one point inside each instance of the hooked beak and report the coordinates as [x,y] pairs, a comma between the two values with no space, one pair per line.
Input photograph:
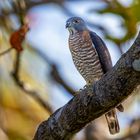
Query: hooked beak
[67,25]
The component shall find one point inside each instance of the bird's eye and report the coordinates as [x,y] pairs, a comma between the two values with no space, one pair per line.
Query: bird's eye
[76,21]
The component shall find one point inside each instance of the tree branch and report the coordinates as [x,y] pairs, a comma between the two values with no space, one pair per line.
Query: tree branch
[54,72]
[57,78]
[23,87]
[113,88]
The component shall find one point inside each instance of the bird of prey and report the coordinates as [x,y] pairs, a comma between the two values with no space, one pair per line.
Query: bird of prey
[91,58]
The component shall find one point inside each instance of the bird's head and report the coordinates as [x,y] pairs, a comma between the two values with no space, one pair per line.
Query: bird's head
[75,24]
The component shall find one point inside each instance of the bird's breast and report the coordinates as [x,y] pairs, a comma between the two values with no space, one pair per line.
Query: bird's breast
[85,56]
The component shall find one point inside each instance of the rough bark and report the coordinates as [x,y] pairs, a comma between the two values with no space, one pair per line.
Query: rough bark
[113,88]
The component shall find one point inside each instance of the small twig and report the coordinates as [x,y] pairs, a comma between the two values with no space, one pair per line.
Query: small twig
[55,73]
[56,76]
[17,65]
[15,73]
[5,52]
[23,87]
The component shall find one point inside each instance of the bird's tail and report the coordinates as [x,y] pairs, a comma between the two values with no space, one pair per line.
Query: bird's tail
[112,121]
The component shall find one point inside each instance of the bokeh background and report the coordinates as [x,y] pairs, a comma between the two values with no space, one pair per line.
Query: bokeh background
[44,74]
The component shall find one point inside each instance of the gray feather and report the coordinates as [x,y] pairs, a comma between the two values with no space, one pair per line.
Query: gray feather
[102,51]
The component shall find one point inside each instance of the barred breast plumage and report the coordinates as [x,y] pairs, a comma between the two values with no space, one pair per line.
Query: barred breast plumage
[85,56]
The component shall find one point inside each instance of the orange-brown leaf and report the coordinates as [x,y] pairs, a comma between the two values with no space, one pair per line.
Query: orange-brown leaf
[18,37]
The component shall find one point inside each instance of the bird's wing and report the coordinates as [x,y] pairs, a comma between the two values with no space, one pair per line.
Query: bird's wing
[102,51]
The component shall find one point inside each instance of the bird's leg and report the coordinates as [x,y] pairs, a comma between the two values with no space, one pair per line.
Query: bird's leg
[89,87]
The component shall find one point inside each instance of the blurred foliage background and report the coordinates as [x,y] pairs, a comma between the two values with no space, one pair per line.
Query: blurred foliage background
[36,82]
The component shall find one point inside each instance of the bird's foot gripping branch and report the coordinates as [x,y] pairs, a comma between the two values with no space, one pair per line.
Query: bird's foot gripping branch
[113,88]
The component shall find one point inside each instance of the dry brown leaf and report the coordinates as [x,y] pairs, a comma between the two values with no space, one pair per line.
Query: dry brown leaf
[18,37]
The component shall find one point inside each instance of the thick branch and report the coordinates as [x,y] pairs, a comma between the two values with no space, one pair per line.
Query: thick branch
[113,88]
